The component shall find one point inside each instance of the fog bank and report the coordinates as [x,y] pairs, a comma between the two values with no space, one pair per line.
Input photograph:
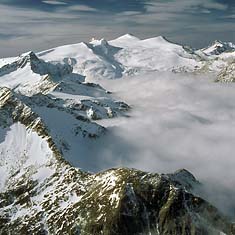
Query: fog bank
[177,121]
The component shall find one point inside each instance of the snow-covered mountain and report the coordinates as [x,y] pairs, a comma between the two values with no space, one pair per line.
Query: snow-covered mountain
[128,55]
[50,108]
[218,47]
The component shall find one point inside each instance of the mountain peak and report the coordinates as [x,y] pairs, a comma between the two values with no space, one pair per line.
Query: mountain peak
[28,57]
[128,37]
[161,38]
[104,42]
[29,54]
[101,42]
[218,47]
[184,178]
[158,40]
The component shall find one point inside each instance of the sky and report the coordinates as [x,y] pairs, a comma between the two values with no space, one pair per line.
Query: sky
[42,24]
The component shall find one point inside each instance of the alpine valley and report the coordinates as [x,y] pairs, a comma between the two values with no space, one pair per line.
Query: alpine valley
[61,112]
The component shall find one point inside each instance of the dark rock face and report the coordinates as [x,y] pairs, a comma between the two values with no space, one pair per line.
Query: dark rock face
[151,204]
[114,202]
[219,47]
[37,65]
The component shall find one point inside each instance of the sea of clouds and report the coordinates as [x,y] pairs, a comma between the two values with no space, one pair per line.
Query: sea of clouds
[177,121]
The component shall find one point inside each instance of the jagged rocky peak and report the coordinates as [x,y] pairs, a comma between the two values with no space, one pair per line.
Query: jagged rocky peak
[136,202]
[104,42]
[114,202]
[184,178]
[29,57]
[37,66]
[13,109]
[219,47]
[24,59]
[105,45]
[103,48]
[41,67]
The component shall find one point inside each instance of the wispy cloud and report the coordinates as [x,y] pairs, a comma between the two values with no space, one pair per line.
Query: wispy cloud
[81,8]
[214,5]
[52,2]
[177,121]
[229,16]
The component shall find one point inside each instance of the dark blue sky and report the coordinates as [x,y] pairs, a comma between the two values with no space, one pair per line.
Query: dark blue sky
[41,24]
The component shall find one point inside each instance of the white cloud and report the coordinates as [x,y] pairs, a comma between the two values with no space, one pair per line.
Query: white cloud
[129,13]
[80,8]
[184,6]
[177,121]
[53,2]
[214,5]
[205,11]
[229,17]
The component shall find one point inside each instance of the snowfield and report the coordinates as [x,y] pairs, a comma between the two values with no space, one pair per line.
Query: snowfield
[18,144]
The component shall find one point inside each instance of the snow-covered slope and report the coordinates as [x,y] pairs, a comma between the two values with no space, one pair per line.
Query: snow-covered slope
[128,55]
[25,73]
[217,57]
[154,54]
[93,60]
[65,103]
[100,59]
[218,47]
